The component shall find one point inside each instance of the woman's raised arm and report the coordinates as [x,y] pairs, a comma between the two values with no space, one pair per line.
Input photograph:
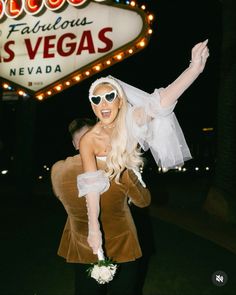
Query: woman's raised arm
[173,91]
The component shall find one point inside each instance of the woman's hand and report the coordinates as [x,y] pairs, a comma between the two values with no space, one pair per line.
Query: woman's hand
[95,240]
[170,94]
[200,53]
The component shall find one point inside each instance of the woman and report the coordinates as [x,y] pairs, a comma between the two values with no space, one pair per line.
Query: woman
[129,118]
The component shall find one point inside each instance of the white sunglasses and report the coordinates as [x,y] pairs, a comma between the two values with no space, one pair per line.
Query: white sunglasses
[109,97]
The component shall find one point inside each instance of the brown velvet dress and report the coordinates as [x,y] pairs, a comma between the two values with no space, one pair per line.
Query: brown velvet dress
[119,232]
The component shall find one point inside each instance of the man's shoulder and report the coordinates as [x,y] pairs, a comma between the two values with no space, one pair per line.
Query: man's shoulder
[71,160]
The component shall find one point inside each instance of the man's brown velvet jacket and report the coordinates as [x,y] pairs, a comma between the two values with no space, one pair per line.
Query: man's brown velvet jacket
[119,232]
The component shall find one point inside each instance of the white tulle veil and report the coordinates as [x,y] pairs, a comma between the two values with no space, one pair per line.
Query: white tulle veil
[156,128]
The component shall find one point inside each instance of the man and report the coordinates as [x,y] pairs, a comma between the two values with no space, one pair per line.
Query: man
[77,128]
[73,245]
[63,177]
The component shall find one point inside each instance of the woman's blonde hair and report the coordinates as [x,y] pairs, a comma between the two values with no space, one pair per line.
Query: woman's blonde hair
[120,157]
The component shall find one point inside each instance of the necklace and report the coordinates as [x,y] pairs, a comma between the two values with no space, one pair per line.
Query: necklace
[108,126]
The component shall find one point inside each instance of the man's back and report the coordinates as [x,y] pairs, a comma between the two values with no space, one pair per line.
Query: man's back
[121,241]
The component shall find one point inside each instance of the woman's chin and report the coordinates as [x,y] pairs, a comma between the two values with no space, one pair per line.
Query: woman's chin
[107,121]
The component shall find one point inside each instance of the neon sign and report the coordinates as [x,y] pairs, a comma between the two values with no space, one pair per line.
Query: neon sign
[14,8]
[46,54]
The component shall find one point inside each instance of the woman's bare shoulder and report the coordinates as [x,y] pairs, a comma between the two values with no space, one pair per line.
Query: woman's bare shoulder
[96,129]
[90,135]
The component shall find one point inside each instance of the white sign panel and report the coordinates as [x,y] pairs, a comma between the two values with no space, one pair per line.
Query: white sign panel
[36,51]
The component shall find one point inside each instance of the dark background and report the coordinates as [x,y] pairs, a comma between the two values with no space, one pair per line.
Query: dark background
[190,245]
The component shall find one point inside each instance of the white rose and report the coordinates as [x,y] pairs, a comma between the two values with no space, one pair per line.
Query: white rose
[105,274]
[113,269]
[95,272]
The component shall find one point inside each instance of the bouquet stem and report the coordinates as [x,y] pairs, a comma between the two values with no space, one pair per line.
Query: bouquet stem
[100,254]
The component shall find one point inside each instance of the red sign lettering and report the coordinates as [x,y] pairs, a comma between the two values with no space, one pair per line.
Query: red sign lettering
[47,46]
[32,51]
[64,45]
[1,8]
[33,6]
[108,42]
[9,51]
[14,8]
[71,46]
[54,4]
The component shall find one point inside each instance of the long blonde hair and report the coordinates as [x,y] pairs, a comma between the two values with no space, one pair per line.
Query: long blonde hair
[120,157]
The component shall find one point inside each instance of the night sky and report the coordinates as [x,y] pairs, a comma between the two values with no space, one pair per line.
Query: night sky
[178,26]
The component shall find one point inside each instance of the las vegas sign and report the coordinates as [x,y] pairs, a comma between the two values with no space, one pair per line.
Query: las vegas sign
[49,45]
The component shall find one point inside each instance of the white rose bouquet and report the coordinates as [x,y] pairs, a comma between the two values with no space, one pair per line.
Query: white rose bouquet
[102,271]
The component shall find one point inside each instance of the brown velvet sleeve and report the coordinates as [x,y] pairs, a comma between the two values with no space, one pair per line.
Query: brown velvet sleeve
[139,195]
[55,177]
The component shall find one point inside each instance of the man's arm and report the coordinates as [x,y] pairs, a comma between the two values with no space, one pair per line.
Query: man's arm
[55,177]
[138,194]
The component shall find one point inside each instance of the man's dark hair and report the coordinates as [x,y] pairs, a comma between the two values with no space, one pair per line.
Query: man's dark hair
[79,123]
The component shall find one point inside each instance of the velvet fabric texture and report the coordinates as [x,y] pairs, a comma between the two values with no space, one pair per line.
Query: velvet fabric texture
[120,241]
